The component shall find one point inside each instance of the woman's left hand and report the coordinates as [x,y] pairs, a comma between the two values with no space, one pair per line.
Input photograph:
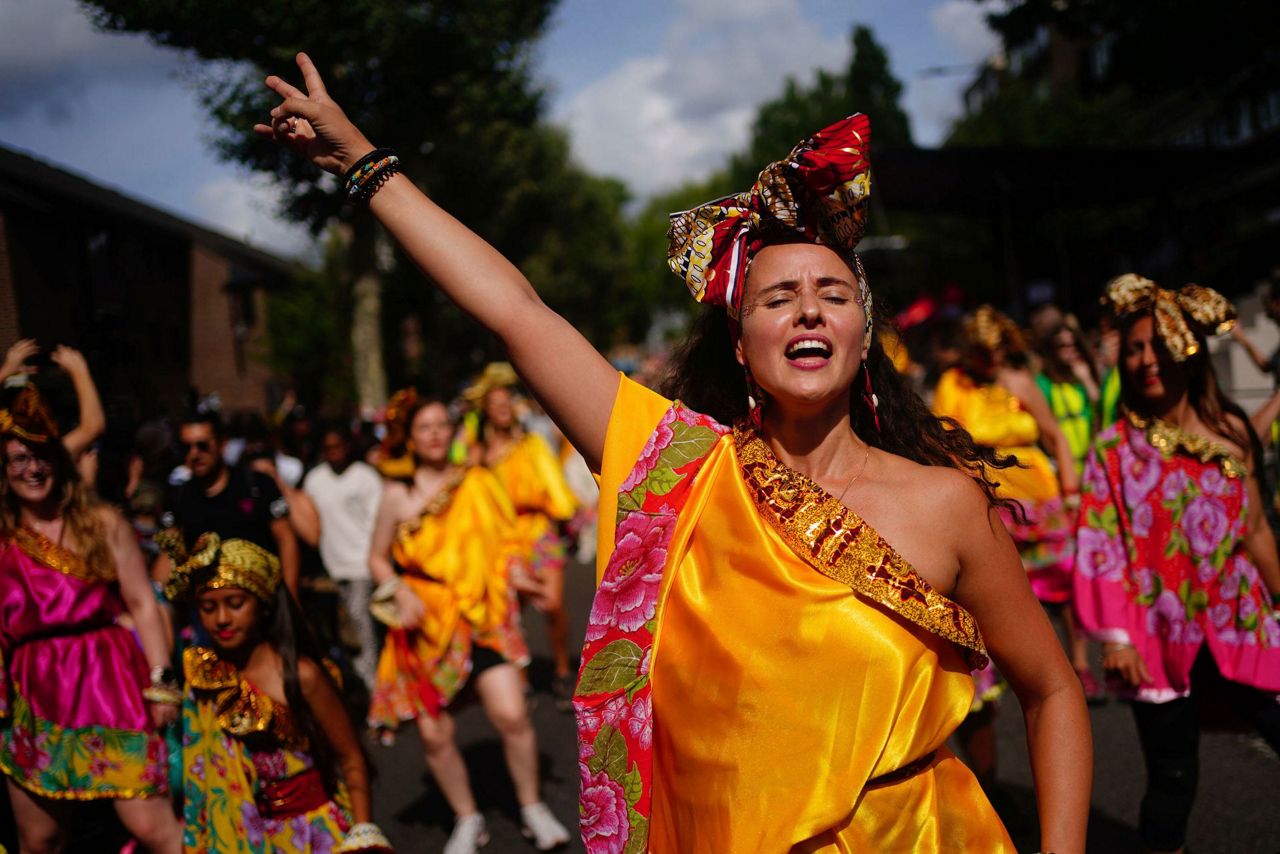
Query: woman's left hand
[163,714]
[70,360]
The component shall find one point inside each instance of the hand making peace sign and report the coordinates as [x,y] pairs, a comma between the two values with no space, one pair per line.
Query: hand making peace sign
[312,124]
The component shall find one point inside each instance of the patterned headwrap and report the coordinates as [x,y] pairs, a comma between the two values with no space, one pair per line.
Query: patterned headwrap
[1181,316]
[818,193]
[216,564]
[992,329]
[29,418]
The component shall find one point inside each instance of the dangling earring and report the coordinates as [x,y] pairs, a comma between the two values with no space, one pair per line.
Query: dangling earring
[869,396]
[755,400]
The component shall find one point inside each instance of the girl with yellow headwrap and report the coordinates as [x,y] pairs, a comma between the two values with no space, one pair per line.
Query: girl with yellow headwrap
[270,760]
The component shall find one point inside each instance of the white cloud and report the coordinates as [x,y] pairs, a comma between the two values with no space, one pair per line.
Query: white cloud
[674,115]
[935,102]
[247,208]
[962,24]
[50,53]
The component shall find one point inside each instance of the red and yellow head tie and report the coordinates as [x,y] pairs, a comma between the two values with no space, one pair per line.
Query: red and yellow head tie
[216,564]
[1182,317]
[28,418]
[817,193]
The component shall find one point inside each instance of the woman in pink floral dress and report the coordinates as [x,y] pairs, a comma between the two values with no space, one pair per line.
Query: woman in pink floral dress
[1176,568]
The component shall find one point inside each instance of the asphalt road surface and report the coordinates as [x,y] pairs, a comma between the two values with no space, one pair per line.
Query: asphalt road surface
[1235,813]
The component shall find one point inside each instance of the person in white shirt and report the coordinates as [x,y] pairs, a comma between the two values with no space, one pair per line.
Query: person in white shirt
[346,493]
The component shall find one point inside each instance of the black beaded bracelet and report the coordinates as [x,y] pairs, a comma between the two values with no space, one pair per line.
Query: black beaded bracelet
[372,157]
[364,192]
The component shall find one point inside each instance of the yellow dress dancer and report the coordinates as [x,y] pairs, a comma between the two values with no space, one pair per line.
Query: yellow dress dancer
[455,558]
[534,480]
[997,419]
[835,648]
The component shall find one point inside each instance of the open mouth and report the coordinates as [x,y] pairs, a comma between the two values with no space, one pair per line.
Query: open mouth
[808,347]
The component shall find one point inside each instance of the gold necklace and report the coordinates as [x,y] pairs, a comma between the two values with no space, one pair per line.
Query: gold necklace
[866,456]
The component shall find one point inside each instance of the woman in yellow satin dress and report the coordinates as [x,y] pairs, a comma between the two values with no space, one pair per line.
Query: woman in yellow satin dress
[442,551]
[534,480]
[766,669]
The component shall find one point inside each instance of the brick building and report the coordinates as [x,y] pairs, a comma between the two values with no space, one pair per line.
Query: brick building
[160,306]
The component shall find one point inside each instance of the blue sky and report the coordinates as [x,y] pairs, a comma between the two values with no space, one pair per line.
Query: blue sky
[653,93]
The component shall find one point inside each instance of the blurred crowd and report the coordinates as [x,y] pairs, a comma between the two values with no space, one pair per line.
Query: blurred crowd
[338,506]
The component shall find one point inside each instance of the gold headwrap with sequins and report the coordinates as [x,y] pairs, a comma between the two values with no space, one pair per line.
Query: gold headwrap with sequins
[217,564]
[992,329]
[1182,316]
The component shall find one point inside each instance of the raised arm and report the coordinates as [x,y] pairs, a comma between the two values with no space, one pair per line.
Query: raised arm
[574,383]
[93,421]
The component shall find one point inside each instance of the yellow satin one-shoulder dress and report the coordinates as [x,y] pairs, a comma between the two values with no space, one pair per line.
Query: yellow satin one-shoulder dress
[455,557]
[534,480]
[779,693]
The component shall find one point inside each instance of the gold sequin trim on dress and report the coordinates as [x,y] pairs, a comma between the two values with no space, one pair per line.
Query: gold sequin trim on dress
[1169,439]
[54,556]
[842,546]
[242,709]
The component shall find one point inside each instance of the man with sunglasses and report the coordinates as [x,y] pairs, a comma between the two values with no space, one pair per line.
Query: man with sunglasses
[235,502]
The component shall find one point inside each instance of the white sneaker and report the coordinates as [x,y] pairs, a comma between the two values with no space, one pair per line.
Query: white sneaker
[542,827]
[469,835]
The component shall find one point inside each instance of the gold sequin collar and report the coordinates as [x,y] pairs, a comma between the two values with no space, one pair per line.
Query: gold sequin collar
[241,708]
[842,546]
[39,547]
[436,504]
[1170,439]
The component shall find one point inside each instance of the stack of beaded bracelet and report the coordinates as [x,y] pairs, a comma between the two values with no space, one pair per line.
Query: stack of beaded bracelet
[163,688]
[364,838]
[369,173]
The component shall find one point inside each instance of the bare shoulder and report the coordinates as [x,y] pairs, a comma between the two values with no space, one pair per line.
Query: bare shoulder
[1019,381]
[396,495]
[936,486]
[308,673]
[111,519]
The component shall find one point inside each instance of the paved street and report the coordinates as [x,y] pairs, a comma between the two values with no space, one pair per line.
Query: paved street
[1235,812]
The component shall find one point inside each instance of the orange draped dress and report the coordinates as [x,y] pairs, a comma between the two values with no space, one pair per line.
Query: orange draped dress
[779,693]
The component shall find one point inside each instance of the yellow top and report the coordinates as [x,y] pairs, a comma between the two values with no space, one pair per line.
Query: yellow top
[456,556]
[997,419]
[534,480]
[779,693]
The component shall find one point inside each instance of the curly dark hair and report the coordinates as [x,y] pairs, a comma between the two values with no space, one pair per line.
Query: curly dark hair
[705,375]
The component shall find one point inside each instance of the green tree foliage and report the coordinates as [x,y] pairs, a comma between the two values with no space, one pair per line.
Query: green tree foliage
[446,84]
[867,85]
[307,329]
[1123,72]
[1020,116]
